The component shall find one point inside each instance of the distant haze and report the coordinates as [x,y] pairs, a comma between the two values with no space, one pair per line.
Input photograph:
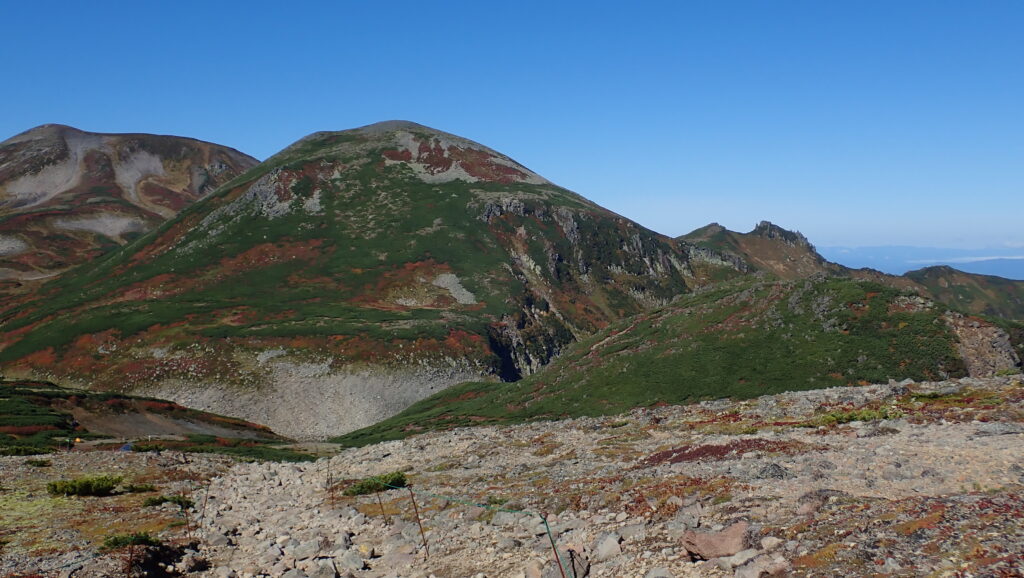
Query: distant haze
[1008,262]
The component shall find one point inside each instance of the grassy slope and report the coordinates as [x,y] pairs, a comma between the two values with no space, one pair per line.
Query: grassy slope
[787,255]
[978,294]
[742,340]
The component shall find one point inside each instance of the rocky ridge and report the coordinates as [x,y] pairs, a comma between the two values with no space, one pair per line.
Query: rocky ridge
[790,255]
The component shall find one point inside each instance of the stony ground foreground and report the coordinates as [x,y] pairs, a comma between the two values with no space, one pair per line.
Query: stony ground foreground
[913,479]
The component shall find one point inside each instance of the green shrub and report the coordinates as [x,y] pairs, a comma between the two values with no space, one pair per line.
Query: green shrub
[182,502]
[377,484]
[139,488]
[23,451]
[37,463]
[136,539]
[840,417]
[87,486]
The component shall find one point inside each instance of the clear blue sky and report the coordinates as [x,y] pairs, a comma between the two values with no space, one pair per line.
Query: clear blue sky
[857,122]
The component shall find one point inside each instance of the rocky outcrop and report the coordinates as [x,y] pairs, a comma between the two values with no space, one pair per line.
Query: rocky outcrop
[984,347]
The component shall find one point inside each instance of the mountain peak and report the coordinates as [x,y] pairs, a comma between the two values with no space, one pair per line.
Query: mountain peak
[43,131]
[769,230]
[436,156]
[393,125]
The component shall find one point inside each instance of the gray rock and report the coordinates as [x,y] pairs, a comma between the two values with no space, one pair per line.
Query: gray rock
[295,573]
[305,550]
[689,517]
[324,572]
[351,560]
[412,533]
[738,559]
[752,570]
[659,573]
[773,471]
[505,519]
[506,543]
[633,531]
[999,428]
[607,546]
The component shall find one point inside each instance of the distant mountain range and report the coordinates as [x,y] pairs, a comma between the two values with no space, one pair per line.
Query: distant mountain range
[897,260]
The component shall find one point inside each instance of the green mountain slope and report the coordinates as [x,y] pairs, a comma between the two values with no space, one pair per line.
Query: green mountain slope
[789,255]
[978,294]
[739,340]
[348,276]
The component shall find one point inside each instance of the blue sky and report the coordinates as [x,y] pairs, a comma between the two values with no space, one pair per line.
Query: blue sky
[857,123]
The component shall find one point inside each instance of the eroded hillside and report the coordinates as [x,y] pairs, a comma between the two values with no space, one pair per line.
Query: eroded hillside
[68,196]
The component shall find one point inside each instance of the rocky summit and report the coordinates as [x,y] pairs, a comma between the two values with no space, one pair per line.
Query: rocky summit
[348,276]
[896,479]
[68,196]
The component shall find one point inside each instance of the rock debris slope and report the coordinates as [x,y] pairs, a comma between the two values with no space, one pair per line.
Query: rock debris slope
[904,479]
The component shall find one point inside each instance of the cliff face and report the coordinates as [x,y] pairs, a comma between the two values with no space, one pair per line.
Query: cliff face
[68,196]
[354,272]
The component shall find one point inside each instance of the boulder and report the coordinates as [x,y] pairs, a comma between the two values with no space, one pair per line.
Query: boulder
[708,545]
[607,547]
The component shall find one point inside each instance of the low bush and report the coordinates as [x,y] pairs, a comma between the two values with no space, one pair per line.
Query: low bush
[139,488]
[23,450]
[135,539]
[840,417]
[37,463]
[377,484]
[86,486]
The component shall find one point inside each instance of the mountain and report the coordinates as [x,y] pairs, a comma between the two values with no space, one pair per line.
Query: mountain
[770,248]
[348,276]
[741,340]
[68,196]
[978,294]
[789,255]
